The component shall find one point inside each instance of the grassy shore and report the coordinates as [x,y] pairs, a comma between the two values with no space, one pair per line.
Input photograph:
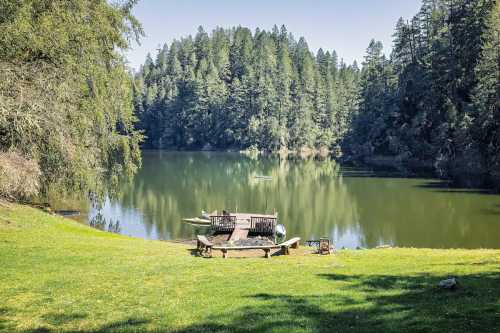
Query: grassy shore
[59,276]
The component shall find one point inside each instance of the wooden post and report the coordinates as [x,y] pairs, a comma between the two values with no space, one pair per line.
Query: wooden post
[295,245]
[224,253]
[266,253]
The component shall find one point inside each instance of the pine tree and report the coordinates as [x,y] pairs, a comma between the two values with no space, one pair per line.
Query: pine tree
[234,89]
[373,122]
[301,126]
[486,98]
[283,84]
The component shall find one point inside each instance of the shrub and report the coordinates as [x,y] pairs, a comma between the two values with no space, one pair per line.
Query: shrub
[19,177]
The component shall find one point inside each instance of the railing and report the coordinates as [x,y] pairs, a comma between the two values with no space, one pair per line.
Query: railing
[265,226]
[223,223]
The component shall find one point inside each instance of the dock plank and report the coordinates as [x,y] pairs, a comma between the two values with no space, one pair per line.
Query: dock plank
[239,233]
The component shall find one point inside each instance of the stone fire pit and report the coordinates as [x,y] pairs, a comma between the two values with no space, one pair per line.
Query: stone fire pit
[254,241]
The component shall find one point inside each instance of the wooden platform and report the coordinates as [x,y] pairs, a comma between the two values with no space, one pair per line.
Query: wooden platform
[243,219]
[241,224]
[239,233]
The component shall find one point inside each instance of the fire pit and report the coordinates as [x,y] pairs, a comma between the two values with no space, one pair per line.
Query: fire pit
[254,241]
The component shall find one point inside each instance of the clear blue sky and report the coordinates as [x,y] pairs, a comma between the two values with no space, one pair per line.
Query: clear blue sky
[344,25]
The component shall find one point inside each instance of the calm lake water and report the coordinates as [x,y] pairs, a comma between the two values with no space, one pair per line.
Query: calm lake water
[354,207]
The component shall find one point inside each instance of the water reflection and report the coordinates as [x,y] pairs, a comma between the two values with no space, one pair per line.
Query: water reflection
[98,221]
[314,198]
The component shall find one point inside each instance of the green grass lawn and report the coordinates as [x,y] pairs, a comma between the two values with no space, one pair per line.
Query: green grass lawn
[59,276]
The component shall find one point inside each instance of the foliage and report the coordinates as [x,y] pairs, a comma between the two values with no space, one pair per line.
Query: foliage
[60,276]
[435,101]
[65,94]
[19,177]
[236,89]
[485,117]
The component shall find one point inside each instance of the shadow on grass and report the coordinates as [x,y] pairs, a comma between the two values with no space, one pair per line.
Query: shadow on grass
[126,325]
[387,304]
[62,318]
[236,254]
[5,324]
[356,303]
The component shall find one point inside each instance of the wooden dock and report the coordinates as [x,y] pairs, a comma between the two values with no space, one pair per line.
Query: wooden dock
[239,234]
[241,225]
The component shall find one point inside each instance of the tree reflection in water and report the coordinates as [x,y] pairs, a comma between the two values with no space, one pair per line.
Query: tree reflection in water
[98,221]
[314,198]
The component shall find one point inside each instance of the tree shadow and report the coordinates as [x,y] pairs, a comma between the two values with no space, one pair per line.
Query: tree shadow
[377,174]
[490,211]
[356,303]
[63,318]
[451,187]
[443,186]
[5,324]
[125,325]
[237,254]
[194,252]
[389,303]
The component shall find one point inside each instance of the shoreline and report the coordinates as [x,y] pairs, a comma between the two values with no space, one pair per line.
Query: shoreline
[406,168]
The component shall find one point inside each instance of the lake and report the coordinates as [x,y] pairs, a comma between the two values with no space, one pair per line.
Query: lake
[314,198]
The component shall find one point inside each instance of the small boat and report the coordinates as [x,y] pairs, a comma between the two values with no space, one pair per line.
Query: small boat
[197,221]
[264,177]
[203,220]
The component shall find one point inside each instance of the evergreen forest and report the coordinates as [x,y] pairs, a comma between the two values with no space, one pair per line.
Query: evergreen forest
[73,115]
[433,102]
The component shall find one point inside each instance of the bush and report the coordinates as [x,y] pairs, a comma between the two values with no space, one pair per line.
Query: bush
[19,177]
[66,94]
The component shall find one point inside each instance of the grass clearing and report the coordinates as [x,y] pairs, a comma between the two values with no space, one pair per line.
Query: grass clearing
[59,276]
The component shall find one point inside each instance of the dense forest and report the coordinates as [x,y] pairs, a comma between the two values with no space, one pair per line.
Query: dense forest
[238,89]
[72,116]
[66,111]
[436,99]
[433,102]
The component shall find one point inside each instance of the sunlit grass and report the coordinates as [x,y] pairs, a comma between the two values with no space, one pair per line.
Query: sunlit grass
[59,276]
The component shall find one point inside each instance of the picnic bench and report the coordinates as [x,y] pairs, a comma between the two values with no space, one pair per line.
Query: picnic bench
[291,243]
[205,246]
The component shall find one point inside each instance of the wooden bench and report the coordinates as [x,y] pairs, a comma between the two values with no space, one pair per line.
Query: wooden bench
[291,243]
[266,248]
[204,245]
[285,247]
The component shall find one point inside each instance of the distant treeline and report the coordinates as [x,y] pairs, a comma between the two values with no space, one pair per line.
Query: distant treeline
[434,101]
[238,89]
